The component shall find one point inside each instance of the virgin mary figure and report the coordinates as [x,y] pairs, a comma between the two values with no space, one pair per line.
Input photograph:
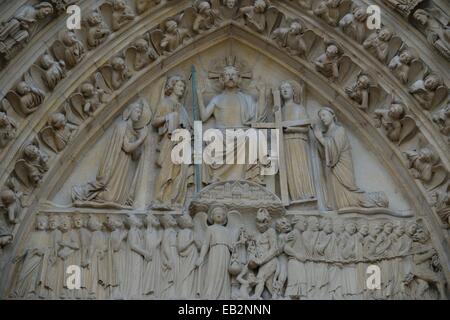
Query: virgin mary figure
[121,165]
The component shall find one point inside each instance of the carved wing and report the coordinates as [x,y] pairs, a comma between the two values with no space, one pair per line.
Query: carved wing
[14,100]
[106,72]
[130,54]
[100,84]
[70,115]
[394,47]
[313,49]
[439,96]
[187,18]
[37,76]
[215,4]
[200,226]
[346,69]
[234,224]
[106,11]
[416,71]
[49,138]
[156,36]
[21,171]
[376,96]
[273,19]
[58,50]
[409,128]
[77,103]
[345,7]
[440,175]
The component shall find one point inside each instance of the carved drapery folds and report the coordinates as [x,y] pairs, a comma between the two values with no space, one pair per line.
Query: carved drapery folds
[214,256]
[166,254]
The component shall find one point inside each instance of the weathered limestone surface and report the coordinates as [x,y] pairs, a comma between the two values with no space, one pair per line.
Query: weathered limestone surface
[86,176]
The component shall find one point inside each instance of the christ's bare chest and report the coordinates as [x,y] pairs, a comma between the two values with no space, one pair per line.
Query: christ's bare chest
[227,111]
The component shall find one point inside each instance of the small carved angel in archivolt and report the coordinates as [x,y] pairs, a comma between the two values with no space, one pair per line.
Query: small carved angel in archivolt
[430,91]
[58,132]
[32,165]
[51,71]
[354,23]
[115,73]
[8,127]
[203,15]
[11,201]
[442,119]
[405,65]
[96,29]
[424,164]
[91,96]
[141,53]
[328,62]
[331,11]
[383,44]
[121,13]
[259,15]
[69,48]
[26,97]
[171,34]
[360,91]
[292,36]
[399,126]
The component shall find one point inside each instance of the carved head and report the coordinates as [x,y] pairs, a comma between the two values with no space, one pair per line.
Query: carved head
[4,121]
[7,197]
[175,86]
[230,4]
[185,221]
[411,228]
[77,221]
[299,223]
[136,110]
[426,155]
[53,222]
[57,120]
[69,38]
[363,81]
[338,228]
[399,230]
[396,110]
[283,225]
[168,221]
[260,6]
[204,7]
[118,64]
[94,223]
[44,10]
[385,34]
[230,77]
[141,45]
[432,81]
[364,229]
[350,227]
[65,223]
[41,222]
[313,224]
[332,51]
[218,215]
[421,16]
[87,90]
[94,19]
[23,88]
[31,152]
[327,116]
[295,28]
[422,236]
[406,57]
[327,226]
[359,13]
[171,26]
[47,61]
[375,229]
[388,227]
[132,221]
[119,5]
[152,220]
[263,220]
